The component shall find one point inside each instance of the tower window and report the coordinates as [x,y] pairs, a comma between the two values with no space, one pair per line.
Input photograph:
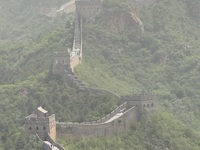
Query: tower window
[152,104]
[119,121]
[44,128]
[37,128]
[147,105]
[144,105]
[30,128]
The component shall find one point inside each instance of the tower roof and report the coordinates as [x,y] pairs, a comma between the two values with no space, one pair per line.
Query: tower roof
[42,110]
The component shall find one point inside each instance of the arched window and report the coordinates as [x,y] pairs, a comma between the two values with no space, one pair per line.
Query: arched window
[44,128]
[151,104]
[147,105]
[30,128]
[144,105]
[119,121]
[37,128]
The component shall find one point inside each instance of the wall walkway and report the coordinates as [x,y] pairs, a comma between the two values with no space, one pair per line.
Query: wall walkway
[111,124]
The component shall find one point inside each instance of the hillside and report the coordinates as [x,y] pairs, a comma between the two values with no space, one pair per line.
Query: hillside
[164,60]
[117,56]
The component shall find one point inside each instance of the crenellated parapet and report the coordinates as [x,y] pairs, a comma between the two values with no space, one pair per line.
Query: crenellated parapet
[145,102]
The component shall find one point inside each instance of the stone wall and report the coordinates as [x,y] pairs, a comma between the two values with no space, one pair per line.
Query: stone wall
[80,130]
[119,119]
[88,9]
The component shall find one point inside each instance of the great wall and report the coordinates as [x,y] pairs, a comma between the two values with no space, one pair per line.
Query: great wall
[131,109]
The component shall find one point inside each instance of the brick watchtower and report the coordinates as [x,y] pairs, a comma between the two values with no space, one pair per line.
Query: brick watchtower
[39,122]
[143,102]
[60,59]
[88,9]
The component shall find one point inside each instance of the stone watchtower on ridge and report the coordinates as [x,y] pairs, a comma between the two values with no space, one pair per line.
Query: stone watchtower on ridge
[87,9]
[40,123]
[143,102]
[61,59]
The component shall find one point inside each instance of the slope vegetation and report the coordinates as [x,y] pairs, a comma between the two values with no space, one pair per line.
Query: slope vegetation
[163,60]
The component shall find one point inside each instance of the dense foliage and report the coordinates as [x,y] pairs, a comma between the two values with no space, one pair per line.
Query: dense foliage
[164,60]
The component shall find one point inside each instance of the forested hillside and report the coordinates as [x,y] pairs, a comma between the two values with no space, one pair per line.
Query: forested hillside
[163,60]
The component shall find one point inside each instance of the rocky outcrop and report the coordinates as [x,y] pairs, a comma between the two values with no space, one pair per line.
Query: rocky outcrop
[120,20]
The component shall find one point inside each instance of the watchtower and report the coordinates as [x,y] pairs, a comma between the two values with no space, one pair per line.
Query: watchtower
[60,58]
[143,102]
[87,9]
[39,122]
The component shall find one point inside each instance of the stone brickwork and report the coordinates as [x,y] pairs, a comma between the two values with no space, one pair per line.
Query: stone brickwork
[41,123]
[96,129]
[88,9]
[116,122]
[70,58]
[85,11]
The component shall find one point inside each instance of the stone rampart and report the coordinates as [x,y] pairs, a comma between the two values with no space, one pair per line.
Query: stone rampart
[116,125]
[121,108]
